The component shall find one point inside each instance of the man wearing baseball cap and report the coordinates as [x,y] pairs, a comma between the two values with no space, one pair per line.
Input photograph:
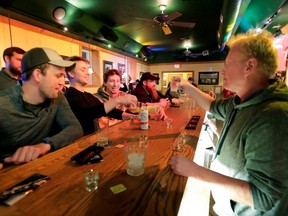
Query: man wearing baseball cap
[146,91]
[35,118]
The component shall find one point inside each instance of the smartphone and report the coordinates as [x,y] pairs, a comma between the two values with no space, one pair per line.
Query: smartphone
[29,184]
[89,155]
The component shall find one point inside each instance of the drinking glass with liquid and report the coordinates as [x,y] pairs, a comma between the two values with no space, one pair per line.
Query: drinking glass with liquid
[102,129]
[91,178]
[135,154]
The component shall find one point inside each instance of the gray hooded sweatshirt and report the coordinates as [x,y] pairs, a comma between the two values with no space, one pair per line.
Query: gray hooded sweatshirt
[253,146]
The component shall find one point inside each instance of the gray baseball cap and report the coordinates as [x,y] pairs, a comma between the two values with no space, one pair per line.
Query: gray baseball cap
[39,55]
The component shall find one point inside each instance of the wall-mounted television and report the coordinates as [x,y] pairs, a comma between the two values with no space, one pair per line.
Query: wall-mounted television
[208,78]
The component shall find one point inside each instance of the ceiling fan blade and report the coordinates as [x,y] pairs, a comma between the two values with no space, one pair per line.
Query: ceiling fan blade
[173,16]
[143,19]
[183,24]
[166,29]
[195,55]
[145,26]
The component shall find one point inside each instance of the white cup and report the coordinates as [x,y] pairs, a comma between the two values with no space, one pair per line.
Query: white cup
[135,154]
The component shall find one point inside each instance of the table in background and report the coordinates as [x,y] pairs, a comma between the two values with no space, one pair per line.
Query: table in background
[157,192]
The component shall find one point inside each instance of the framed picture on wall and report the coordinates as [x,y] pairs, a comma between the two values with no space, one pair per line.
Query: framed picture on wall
[208,78]
[107,65]
[121,68]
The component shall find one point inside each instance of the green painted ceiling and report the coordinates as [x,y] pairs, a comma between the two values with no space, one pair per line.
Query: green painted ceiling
[131,21]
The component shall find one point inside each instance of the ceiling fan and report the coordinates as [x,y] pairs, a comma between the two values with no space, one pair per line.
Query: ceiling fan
[187,55]
[165,21]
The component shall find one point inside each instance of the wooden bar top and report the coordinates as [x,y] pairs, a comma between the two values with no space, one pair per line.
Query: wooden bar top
[157,192]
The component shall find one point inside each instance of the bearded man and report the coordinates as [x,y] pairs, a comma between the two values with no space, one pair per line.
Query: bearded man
[11,73]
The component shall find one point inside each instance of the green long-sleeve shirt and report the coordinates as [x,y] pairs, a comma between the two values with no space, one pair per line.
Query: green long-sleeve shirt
[253,146]
[25,124]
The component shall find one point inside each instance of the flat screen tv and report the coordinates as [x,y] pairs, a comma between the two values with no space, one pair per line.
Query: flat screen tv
[208,78]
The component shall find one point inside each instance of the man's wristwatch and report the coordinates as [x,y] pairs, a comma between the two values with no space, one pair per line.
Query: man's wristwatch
[47,141]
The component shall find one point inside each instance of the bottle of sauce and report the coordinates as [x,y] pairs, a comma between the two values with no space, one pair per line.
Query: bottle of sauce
[144,117]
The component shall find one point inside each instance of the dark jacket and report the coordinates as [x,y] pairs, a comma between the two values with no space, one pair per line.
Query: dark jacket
[6,81]
[144,96]
[87,107]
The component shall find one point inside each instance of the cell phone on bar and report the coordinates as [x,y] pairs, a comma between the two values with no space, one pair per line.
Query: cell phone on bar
[89,155]
[20,190]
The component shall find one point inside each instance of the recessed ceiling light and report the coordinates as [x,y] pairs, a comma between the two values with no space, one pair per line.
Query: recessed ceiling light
[59,13]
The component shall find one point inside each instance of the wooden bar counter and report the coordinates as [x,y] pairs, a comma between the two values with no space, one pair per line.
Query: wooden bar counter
[157,192]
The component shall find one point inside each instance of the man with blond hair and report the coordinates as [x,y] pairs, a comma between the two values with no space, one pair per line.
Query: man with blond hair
[249,174]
